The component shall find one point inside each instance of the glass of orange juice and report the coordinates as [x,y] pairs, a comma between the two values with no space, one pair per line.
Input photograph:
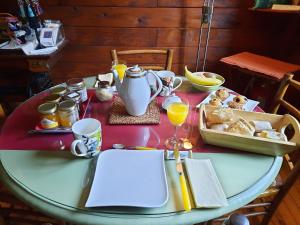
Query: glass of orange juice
[120,67]
[177,113]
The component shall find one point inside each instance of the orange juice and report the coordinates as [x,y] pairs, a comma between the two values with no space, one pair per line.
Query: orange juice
[121,68]
[177,113]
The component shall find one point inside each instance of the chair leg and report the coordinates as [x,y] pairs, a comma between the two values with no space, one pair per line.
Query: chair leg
[283,191]
[2,221]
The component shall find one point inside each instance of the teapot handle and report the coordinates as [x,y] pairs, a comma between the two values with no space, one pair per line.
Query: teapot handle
[159,85]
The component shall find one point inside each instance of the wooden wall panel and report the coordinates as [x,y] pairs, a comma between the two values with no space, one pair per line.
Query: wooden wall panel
[139,37]
[103,3]
[93,27]
[101,55]
[149,17]
[168,37]
[198,4]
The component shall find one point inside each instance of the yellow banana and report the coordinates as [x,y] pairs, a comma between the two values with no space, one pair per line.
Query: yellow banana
[201,80]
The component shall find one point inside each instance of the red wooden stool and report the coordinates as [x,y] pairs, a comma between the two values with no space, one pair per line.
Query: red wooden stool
[271,70]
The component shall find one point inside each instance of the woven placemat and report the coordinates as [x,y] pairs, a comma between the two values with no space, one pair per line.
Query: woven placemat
[119,114]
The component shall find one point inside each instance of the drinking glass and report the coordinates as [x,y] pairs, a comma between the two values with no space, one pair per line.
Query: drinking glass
[177,113]
[120,67]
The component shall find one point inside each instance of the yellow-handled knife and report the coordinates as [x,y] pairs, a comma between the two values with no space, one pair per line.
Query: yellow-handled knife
[185,195]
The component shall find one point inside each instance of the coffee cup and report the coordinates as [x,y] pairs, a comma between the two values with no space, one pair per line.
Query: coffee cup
[88,138]
[169,80]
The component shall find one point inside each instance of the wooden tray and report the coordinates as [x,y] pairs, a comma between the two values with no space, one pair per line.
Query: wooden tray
[252,143]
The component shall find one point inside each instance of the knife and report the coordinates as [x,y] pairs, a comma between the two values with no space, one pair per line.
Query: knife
[51,131]
[185,195]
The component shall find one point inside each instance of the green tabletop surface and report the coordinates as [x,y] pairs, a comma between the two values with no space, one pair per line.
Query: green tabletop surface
[58,184]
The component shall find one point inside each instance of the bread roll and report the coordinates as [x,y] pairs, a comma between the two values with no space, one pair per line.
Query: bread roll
[235,105]
[219,115]
[241,126]
[222,94]
[261,125]
[240,99]
[219,127]
[215,102]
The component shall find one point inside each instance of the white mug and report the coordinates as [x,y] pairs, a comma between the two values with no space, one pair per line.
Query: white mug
[88,138]
[168,79]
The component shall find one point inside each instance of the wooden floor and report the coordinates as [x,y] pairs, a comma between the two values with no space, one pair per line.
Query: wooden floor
[288,212]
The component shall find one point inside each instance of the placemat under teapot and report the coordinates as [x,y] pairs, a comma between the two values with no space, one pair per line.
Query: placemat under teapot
[119,114]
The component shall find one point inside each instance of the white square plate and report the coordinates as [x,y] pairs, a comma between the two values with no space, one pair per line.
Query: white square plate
[129,178]
[249,106]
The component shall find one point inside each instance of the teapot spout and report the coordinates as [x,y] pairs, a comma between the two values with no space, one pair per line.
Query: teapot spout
[117,80]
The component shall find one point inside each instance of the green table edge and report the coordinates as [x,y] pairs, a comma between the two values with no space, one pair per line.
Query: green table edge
[195,216]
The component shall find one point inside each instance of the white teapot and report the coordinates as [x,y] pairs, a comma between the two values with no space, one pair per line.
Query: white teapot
[135,89]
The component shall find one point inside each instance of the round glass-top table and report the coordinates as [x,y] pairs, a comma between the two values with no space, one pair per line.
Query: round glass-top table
[57,183]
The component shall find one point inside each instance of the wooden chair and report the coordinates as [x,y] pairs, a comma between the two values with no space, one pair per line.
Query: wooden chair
[281,102]
[2,115]
[267,202]
[166,52]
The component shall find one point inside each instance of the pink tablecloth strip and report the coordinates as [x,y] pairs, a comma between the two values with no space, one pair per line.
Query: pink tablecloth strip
[273,68]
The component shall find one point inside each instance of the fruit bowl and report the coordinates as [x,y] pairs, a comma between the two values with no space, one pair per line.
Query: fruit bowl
[208,88]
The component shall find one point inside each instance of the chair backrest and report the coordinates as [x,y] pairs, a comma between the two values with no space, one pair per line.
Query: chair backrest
[281,101]
[166,52]
[293,159]
[279,97]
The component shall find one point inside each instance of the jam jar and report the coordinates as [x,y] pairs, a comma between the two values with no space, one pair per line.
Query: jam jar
[75,96]
[67,113]
[60,90]
[53,98]
[48,116]
[104,91]
[77,84]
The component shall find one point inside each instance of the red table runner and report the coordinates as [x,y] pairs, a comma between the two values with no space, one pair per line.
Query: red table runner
[14,135]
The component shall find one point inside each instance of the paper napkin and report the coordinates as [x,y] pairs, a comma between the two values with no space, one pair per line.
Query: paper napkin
[206,188]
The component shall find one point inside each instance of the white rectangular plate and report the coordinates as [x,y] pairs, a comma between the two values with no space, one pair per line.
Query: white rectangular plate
[249,106]
[206,188]
[129,178]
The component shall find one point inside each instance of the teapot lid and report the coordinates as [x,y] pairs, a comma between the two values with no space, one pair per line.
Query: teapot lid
[135,70]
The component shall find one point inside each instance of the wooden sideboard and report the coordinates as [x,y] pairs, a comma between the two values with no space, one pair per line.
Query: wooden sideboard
[22,76]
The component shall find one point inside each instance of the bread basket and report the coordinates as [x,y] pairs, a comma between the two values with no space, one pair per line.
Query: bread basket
[252,143]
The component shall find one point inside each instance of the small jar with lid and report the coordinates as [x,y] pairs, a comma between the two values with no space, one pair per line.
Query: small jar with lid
[60,90]
[75,96]
[53,98]
[67,113]
[48,116]
[104,91]
[77,84]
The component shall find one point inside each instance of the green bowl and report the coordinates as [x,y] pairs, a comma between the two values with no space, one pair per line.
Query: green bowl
[209,88]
